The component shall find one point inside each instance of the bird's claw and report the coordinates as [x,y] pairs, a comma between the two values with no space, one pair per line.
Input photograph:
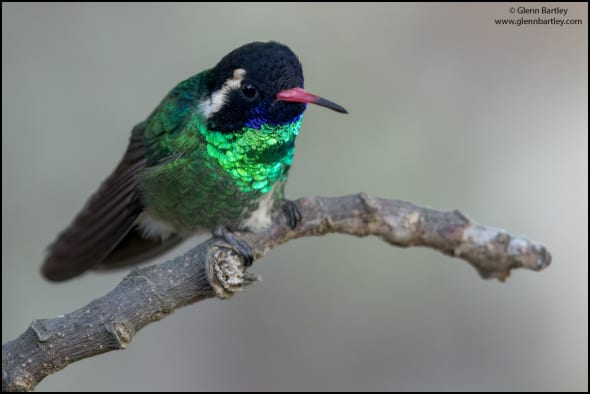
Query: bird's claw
[292,213]
[240,246]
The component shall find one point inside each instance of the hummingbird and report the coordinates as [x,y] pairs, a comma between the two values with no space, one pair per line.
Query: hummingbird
[213,156]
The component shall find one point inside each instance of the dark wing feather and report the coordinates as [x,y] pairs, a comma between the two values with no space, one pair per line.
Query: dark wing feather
[104,234]
[108,216]
[135,249]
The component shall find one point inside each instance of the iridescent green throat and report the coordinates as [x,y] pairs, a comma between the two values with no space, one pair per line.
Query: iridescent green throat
[254,158]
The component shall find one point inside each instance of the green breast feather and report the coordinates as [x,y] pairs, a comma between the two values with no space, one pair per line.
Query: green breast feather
[198,178]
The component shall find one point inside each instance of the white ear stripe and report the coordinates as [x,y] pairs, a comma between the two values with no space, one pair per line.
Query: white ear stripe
[212,104]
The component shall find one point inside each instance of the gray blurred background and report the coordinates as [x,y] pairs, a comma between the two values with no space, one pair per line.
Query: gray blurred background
[447,110]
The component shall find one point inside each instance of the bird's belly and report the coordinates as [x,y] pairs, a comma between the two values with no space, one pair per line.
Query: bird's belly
[258,216]
[188,205]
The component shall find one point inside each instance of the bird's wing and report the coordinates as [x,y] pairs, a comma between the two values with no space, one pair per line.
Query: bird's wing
[104,233]
[106,219]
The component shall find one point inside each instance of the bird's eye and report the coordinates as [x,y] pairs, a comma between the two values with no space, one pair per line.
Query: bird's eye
[249,91]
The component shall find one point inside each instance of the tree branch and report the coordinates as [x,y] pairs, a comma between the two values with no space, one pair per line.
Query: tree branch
[213,269]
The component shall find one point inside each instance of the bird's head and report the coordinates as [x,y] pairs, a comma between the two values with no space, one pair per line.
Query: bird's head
[258,84]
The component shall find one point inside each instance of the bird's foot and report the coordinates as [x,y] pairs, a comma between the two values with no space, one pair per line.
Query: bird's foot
[292,213]
[240,246]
